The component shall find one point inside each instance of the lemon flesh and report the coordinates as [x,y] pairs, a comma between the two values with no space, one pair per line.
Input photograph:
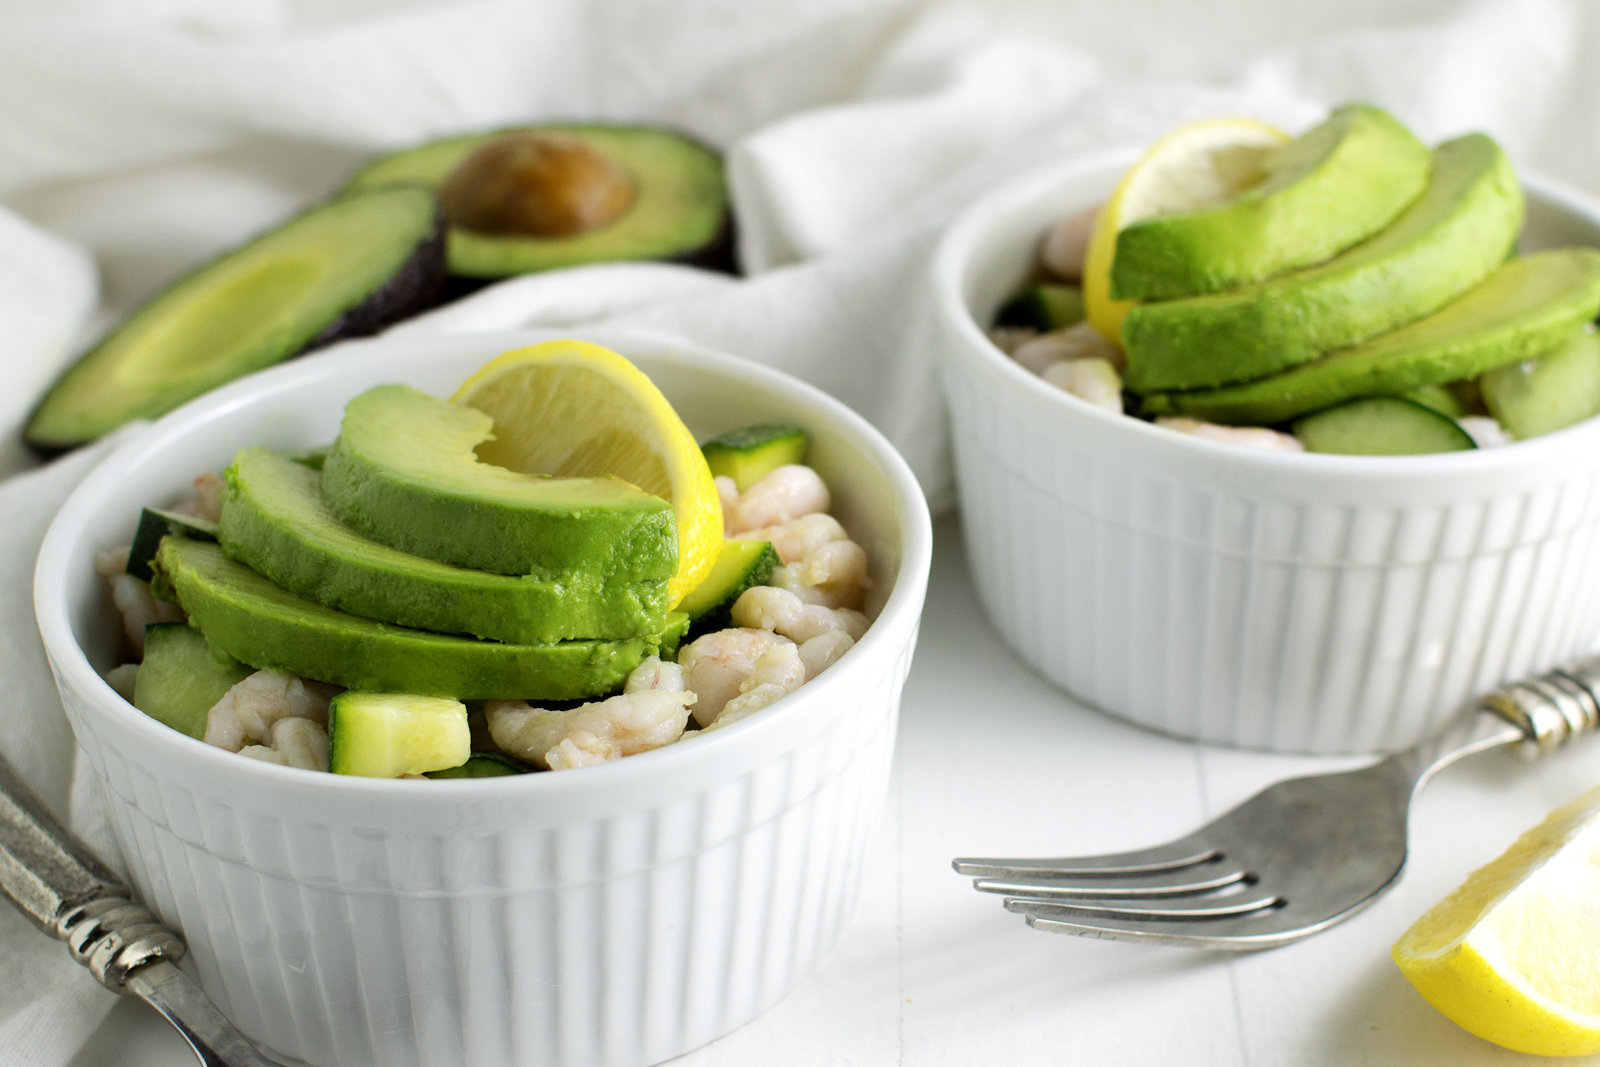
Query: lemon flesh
[1201,165]
[1513,955]
[575,409]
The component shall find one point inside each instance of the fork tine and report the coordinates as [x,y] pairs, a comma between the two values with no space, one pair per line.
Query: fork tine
[1182,881]
[1174,855]
[1240,933]
[1145,912]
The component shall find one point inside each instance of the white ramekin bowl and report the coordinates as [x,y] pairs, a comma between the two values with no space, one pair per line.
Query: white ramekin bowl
[1301,603]
[619,914]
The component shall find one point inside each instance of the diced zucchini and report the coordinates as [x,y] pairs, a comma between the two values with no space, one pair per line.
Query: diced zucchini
[386,735]
[1381,426]
[750,454]
[1549,393]
[154,524]
[1440,398]
[1044,307]
[182,677]
[482,765]
[740,565]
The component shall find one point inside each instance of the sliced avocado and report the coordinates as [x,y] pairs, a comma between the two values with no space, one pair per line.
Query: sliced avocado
[344,269]
[1327,190]
[483,765]
[1043,307]
[264,625]
[740,565]
[1525,308]
[275,520]
[1449,240]
[403,472]
[1552,392]
[678,210]
[1440,398]
[750,454]
[182,677]
[1381,426]
[386,735]
[154,524]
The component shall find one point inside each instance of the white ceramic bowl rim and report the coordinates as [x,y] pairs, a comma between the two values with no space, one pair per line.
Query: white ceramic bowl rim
[949,268]
[773,726]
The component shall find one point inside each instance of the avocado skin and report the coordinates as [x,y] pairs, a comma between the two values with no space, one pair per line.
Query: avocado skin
[1336,185]
[59,421]
[245,615]
[1463,226]
[704,238]
[403,472]
[1527,307]
[275,520]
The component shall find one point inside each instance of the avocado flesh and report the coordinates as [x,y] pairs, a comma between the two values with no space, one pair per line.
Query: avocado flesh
[403,472]
[1335,186]
[275,520]
[344,269]
[680,211]
[1459,230]
[1527,307]
[245,615]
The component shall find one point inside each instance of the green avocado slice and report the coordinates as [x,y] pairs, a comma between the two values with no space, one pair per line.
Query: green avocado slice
[344,269]
[275,520]
[1332,187]
[256,622]
[680,211]
[1527,307]
[1459,230]
[403,472]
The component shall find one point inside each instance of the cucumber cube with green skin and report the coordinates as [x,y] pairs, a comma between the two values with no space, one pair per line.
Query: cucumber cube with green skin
[386,735]
[750,454]
[1440,398]
[182,677]
[740,565]
[1381,426]
[483,765]
[1550,393]
[1043,307]
[154,524]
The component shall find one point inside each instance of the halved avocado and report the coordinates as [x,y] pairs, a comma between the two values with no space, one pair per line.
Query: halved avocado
[345,269]
[676,207]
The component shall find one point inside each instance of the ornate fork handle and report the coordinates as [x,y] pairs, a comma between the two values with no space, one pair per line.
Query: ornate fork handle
[1553,708]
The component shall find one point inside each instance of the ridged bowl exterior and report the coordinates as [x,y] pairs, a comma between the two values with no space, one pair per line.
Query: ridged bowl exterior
[1299,603]
[618,915]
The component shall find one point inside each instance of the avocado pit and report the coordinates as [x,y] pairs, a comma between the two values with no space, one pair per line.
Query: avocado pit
[537,184]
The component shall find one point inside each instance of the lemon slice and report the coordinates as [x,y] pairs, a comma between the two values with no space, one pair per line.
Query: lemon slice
[1513,955]
[1196,166]
[575,409]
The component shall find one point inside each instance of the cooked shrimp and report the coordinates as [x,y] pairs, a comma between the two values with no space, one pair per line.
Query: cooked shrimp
[716,665]
[654,674]
[1484,430]
[776,674]
[798,538]
[590,733]
[1250,436]
[122,678]
[1094,380]
[767,608]
[1066,246]
[247,712]
[787,493]
[823,650]
[1081,341]
[1010,338]
[207,503]
[295,742]
[727,491]
[133,598]
[833,575]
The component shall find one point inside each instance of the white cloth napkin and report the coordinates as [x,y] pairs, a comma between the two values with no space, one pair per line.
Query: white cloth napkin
[153,133]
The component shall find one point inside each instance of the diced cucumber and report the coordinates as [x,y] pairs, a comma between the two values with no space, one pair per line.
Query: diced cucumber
[750,454]
[482,765]
[740,565]
[182,676]
[154,524]
[1548,393]
[1044,307]
[386,735]
[1381,426]
[1440,398]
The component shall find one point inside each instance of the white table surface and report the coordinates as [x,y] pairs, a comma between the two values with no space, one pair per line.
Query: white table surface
[993,760]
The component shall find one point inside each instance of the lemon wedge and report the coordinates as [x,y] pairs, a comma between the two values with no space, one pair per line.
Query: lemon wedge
[1196,166]
[576,409]
[1513,955]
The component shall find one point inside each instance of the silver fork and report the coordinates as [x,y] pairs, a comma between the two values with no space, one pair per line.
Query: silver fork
[1296,858]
